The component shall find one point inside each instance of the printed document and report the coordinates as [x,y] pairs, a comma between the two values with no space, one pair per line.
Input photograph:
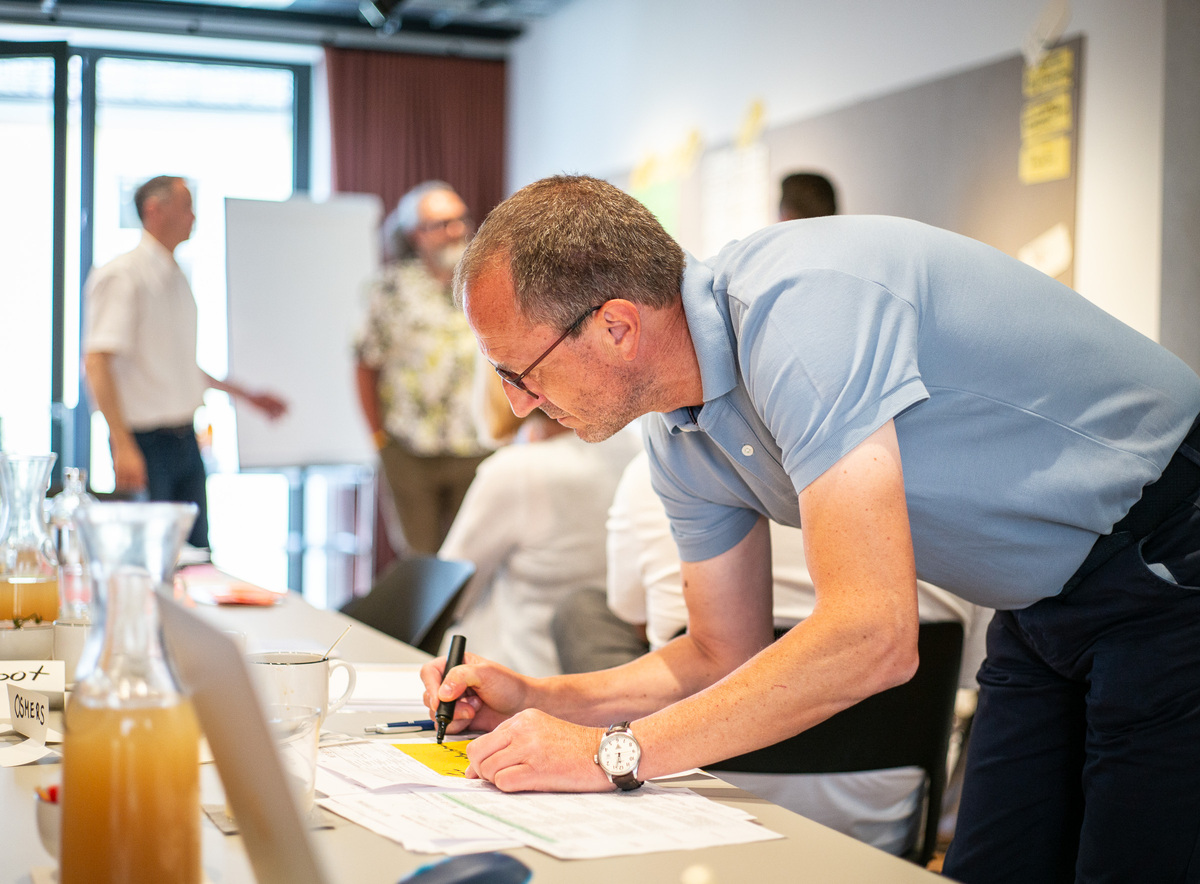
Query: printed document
[397,791]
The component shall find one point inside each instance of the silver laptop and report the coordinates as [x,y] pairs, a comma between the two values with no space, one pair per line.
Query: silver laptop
[209,664]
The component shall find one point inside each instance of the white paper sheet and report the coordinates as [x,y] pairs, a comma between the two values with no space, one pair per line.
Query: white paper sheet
[420,825]
[377,786]
[379,765]
[26,751]
[589,826]
[388,687]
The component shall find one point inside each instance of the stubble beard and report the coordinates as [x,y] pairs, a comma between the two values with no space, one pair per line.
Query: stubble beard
[628,407]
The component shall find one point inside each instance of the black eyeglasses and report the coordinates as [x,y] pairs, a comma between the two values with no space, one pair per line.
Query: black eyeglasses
[518,380]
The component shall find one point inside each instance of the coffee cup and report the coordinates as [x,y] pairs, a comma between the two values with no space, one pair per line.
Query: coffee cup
[300,678]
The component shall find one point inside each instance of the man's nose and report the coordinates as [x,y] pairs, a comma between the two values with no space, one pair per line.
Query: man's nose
[522,403]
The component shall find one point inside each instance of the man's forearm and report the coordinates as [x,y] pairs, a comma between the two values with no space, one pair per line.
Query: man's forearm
[366,380]
[815,671]
[729,603]
[632,690]
[98,369]
[129,464]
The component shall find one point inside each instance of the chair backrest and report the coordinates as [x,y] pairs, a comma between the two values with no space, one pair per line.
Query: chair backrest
[908,725]
[413,601]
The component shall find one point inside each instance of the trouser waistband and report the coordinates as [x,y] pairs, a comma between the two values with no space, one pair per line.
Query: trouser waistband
[1178,482]
[179,432]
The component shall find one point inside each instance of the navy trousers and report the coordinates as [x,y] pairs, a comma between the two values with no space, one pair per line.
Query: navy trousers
[175,473]
[1084,761]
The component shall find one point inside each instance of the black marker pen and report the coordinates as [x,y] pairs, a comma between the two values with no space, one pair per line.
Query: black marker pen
[445,710]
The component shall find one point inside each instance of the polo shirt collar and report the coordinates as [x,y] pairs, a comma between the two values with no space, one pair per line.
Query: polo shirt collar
[712,337]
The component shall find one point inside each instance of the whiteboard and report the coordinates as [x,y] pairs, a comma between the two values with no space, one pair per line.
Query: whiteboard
[297,273]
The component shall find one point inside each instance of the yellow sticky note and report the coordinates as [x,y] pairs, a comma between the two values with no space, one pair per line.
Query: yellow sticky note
[1050,116]
[1057,71]
[447,759]
[1048,160]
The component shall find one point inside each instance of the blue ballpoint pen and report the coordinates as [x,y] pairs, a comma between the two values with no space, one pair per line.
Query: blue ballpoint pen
[400,727]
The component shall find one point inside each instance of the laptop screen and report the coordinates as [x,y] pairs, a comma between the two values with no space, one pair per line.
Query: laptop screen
[210,667]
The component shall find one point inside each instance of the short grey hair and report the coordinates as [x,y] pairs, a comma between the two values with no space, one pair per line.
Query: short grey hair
[572,242]
[403,220]
[158,187]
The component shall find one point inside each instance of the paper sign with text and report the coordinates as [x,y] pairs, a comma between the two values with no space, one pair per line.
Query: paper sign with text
[47,676]
[29,711]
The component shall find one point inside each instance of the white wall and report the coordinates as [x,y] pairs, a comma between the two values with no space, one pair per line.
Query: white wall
[603,84]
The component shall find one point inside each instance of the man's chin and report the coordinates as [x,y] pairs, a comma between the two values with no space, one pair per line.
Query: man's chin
[594,434]
[585,431]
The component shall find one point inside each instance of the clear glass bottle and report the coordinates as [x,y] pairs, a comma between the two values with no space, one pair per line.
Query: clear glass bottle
[28,567]
[74,587]
[131,767]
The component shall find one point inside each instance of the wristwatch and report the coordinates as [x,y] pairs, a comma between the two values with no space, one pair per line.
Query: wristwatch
[619,755]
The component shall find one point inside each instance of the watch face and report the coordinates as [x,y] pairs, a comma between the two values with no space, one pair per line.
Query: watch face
[619,754]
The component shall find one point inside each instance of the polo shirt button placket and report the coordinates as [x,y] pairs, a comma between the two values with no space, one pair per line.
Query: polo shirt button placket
[748,450]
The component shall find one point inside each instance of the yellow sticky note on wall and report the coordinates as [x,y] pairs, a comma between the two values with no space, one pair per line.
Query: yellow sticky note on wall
[447,759]
[1056,72]
[1048,160]
[1051,116]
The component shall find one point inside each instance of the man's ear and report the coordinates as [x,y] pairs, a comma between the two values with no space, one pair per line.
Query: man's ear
[622,322]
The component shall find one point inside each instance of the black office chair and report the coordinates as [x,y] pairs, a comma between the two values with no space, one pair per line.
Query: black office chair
[905,726]
[414,600]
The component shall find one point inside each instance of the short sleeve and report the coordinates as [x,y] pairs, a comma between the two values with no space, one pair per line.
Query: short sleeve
[707,503]
[827,358]
[111,311]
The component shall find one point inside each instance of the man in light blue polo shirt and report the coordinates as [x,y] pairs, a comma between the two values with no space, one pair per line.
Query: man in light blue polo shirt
[925,406]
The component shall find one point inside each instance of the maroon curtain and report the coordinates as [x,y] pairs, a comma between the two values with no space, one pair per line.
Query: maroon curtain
[399,119]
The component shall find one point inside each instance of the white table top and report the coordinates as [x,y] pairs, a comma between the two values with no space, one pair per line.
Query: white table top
[809,852]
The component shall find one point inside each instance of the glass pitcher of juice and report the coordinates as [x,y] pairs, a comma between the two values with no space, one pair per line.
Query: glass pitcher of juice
[28,567]
[131,767]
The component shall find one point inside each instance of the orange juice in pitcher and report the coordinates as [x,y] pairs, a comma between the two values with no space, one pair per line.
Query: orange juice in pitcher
[131,756]
[131,795]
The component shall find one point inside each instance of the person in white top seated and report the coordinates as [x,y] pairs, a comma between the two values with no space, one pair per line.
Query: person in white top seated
[533,523]
[881,808]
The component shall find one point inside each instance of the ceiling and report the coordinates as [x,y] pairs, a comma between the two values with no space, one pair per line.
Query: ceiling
[445,25]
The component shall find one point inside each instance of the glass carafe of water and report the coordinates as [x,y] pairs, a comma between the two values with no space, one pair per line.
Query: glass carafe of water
[28,567]
[74,587]
[131,770]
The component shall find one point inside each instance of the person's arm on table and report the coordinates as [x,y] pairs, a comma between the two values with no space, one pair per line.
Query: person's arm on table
[129,465]
[637,688]
[860,640]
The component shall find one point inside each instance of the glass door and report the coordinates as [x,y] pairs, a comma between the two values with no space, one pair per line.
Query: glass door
[33,136]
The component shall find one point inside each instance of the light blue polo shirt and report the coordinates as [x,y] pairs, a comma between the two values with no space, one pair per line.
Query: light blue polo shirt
[1028,418]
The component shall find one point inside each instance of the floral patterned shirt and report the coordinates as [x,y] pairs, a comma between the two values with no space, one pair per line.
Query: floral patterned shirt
[425,353]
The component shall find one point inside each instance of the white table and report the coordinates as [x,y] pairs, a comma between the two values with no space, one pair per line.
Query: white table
[809,852]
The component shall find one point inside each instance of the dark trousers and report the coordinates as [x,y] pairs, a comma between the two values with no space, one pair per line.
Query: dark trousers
[175,473]
[1084,763]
